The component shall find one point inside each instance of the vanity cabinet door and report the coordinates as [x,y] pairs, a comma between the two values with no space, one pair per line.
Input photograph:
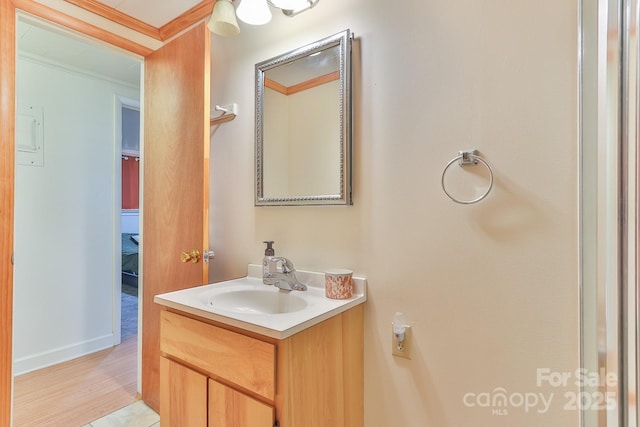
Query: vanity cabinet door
[228,407]
[237,359]
[183,395]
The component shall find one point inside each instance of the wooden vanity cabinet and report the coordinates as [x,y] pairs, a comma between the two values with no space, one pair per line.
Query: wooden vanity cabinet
[215,375]
[228,407]
[188,398]
[183,397]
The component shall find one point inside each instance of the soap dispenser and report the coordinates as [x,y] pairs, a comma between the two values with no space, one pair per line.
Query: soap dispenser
[267,265]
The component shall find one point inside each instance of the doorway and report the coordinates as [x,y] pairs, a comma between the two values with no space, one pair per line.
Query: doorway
[128,125]
[68,195]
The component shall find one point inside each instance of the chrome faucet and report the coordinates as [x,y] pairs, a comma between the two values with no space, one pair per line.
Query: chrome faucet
[285,280]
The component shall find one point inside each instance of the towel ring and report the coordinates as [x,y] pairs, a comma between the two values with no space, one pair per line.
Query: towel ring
[466,158]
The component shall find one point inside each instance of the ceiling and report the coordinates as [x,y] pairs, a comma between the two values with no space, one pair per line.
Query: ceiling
[153,12]
[47,42]
[65,49]
[306,68]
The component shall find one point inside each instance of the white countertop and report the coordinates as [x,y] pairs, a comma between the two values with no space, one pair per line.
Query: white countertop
[316,307]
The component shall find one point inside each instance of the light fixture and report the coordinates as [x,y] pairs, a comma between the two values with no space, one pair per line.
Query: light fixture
[289,4]
[254,12]
[293,7]
[223,19]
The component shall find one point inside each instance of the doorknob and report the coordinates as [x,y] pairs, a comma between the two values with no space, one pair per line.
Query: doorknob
[193,255]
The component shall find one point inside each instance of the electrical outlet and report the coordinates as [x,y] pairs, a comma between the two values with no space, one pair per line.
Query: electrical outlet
[401,348]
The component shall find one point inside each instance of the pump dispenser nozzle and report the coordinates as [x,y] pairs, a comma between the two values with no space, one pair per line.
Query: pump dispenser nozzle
[269,251]
[267,265]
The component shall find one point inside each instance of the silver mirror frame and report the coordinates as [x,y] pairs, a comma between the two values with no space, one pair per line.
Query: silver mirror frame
[344,41]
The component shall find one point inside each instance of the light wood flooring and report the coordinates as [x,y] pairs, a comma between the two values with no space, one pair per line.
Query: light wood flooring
[74,393]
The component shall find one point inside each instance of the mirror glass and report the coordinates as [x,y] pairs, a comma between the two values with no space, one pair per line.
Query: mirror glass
[303,125]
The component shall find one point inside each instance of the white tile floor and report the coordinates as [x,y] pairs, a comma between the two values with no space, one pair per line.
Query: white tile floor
[135,415]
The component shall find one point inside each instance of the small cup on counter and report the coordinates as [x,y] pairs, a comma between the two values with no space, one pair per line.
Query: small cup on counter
[338,283]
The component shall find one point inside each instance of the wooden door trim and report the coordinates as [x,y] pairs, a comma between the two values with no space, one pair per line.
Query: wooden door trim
[7,132]
[187,19]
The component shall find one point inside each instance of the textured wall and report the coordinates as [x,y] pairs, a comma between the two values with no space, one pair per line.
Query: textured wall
[492,289]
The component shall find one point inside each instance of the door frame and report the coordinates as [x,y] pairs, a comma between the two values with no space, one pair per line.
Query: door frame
[8,17]
[7,168]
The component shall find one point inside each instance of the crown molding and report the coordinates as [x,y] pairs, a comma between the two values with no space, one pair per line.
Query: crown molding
[170,29]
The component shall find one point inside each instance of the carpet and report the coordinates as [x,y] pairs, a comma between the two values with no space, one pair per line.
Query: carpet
[130,289]
[129,326]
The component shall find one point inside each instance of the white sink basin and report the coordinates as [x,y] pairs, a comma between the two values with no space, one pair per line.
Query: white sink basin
[248,304]
[253,301]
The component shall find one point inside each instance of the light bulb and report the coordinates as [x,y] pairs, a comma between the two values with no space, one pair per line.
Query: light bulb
[254,12]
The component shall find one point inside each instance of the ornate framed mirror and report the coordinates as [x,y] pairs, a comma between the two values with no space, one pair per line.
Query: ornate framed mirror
[304,125]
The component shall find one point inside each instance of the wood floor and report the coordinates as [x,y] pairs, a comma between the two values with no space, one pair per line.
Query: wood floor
[74,393]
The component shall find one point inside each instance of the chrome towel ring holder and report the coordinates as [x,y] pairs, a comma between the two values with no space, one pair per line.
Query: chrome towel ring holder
[468,158]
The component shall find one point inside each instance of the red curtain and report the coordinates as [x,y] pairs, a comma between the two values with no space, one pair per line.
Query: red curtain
[130,182]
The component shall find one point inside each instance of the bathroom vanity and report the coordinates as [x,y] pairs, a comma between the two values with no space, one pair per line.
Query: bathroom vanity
[233,354]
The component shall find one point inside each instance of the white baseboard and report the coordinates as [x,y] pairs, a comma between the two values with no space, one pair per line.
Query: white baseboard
[53,357]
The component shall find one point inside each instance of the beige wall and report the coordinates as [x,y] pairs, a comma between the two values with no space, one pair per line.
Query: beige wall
[302,156]
[491,289]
